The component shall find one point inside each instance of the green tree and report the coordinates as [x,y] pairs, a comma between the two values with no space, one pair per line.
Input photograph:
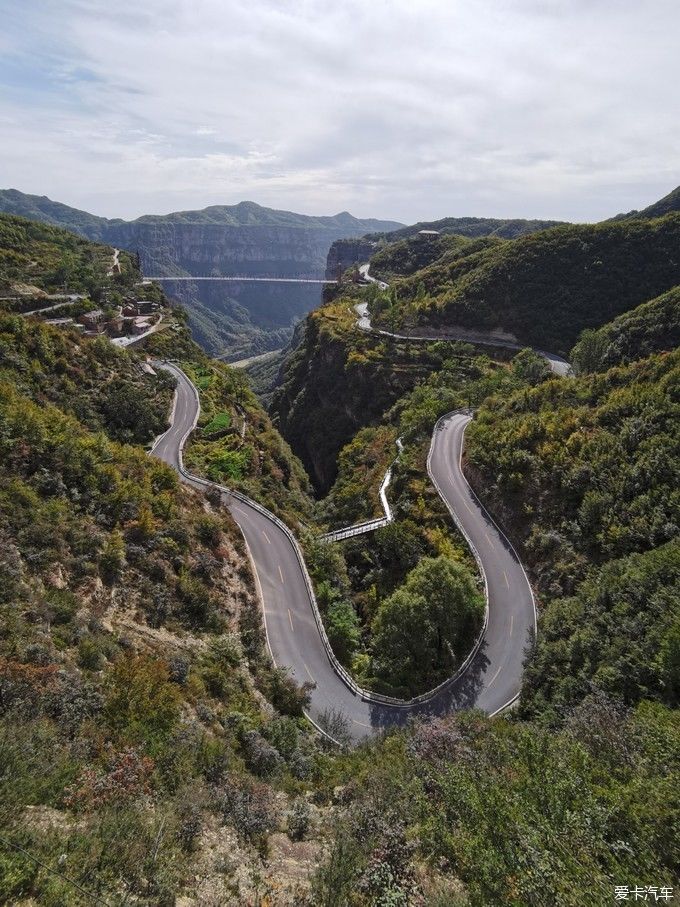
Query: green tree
[342,626]
[589,352]
[530,367]
[423,630]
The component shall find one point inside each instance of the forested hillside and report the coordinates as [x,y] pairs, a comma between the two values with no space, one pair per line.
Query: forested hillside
[347,253]
[545,288]
[138,708]
[583,473]
[406,257]
[665,205]
[50,258]
[508,228]
[647,329]
[337,381]
[147,744]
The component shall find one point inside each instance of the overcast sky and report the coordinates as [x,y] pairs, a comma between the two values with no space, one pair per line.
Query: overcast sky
[406,109]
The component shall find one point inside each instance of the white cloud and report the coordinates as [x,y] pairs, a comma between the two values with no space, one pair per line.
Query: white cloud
[564,108]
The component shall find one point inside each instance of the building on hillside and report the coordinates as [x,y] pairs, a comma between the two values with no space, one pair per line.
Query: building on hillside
[428,234]
[135,307]
[146,306]
[93,321]
[140,325]
[114,326]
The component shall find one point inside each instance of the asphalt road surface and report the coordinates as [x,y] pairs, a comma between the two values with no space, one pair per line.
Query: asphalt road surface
[492,679]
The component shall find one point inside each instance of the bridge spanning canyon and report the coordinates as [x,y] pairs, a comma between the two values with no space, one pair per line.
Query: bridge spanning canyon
[235,279]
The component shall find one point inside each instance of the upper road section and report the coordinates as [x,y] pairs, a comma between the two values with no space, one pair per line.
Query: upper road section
[557,365]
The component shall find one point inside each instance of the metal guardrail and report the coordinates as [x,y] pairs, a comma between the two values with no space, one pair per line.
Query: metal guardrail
[347,532]
[357,529]
[342,673]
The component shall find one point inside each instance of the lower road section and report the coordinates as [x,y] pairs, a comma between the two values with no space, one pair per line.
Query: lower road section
[493,676]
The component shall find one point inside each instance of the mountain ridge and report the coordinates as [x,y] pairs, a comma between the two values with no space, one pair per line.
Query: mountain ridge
[42,207]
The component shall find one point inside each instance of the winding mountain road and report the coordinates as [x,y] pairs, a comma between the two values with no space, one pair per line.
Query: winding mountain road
[492,678]
[558,365]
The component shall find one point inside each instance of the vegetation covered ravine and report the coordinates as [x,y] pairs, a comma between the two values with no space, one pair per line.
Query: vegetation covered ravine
[150,752]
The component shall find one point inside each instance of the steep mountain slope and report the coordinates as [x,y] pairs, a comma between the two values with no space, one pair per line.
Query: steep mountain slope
[133,672]
[405,257]
[48,258]
[39,207]
[665,205]
[584,474]
[245,239]
[544,289]
[235,442]
[649,328]
[142,725]
[337,381]
[150,751]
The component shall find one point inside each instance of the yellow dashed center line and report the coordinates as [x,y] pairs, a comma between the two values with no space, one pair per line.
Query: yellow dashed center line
[290,618]
[281,574]
[266,536]
[507,583]
[488,539]
[468,506]
[361,724]
[309,673]
[512,621]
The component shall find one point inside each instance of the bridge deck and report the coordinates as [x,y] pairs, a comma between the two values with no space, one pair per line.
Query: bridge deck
[255,279]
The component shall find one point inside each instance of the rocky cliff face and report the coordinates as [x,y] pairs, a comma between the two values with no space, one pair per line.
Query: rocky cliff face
[337,381]
[211,249]
[346,253]
[239,319]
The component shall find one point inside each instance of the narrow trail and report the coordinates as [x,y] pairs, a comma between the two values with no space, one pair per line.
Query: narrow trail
[347,532]
[115,264]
